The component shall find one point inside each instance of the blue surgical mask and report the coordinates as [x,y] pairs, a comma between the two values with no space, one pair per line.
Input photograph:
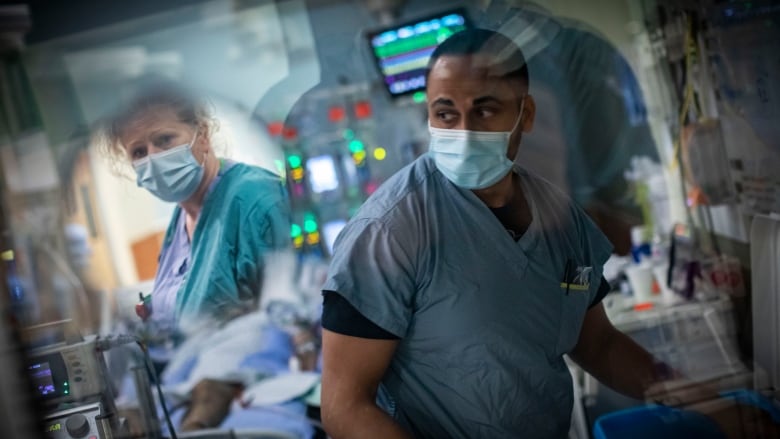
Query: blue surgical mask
[472,159]
[172,175]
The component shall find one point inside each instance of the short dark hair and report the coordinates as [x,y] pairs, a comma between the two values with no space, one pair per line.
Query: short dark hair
[508,56]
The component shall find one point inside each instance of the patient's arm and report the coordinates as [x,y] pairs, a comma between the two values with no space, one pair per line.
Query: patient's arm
[306,349]
[210,404]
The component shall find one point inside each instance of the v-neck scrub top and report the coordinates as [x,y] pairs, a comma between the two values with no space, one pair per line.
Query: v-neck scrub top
[245,215]
[483,320]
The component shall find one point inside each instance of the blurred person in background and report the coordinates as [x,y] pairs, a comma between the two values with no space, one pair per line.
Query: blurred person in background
[591,118]
[228,214]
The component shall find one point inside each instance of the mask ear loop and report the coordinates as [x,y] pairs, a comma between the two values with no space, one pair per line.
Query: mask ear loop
[517,122]
[519,116]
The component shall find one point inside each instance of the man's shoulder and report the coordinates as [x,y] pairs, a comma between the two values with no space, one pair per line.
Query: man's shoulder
[400,193]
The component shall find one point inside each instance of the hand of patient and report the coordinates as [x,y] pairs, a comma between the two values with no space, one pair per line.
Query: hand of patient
[209,404]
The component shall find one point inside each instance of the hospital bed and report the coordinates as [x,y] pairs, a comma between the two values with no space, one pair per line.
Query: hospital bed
[254,350]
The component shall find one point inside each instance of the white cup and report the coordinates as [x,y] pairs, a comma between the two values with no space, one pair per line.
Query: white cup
[668,296]
[640,277]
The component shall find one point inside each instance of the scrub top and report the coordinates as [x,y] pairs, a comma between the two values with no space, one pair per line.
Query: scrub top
[219,273]
[174,263]
[484,320]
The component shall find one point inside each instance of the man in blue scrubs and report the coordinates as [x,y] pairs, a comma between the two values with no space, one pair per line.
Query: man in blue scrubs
[458,287]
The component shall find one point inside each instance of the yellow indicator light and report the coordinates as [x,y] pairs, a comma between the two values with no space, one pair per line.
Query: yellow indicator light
[298,242]
[297,174]
[380,154]
[313,238]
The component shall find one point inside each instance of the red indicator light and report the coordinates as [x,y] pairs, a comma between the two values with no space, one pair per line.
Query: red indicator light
[275,128]
[336,114]
[363,109]
[289,133]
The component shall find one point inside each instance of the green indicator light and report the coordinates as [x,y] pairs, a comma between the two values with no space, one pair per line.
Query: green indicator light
[66,392]
[295,231]
[349,134]
[356,146]
[310,226]
[66,383]
[419,97]
[294,161]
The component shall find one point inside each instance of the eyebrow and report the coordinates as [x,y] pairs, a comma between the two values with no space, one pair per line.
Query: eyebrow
[152,135]
[486,99]
[443,101]
[478,101]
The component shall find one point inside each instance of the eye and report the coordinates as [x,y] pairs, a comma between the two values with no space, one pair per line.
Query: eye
[446,116]
[138,153]
[485,112]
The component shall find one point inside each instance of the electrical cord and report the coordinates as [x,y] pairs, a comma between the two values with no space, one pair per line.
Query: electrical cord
[153,373]
[115,340]
[684,109]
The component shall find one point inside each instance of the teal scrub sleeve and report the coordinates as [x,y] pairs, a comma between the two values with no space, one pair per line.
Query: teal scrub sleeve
[263,230]
[373,270]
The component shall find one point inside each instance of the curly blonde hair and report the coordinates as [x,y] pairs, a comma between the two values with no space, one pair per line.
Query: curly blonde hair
[160,95]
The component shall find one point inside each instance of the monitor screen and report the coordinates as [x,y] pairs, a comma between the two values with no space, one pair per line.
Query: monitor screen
[402,52]
[322,174]
[42,380]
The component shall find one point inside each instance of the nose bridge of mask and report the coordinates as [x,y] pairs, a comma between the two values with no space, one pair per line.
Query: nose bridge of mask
[162,154]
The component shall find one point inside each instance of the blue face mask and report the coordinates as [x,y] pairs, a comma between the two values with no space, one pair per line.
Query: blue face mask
[172,175]
[472,159]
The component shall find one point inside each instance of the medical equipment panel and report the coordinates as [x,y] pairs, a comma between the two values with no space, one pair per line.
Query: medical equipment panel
[79,422]
[67,373]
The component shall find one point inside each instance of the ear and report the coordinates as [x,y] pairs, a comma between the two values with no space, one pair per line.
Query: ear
[204,136]
[529,113]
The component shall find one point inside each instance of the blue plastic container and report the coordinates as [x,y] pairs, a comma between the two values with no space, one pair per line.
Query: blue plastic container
[654,421]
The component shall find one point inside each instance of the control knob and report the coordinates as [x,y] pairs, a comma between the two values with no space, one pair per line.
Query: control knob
[77,425]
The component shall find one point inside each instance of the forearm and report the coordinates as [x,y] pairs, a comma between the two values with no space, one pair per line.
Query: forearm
[621,364]
[361,420]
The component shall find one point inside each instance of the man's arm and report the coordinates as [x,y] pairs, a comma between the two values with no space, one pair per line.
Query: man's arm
[352,370]
[612,357]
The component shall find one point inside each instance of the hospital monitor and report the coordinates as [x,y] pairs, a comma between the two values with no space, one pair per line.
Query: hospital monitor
[402,52]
